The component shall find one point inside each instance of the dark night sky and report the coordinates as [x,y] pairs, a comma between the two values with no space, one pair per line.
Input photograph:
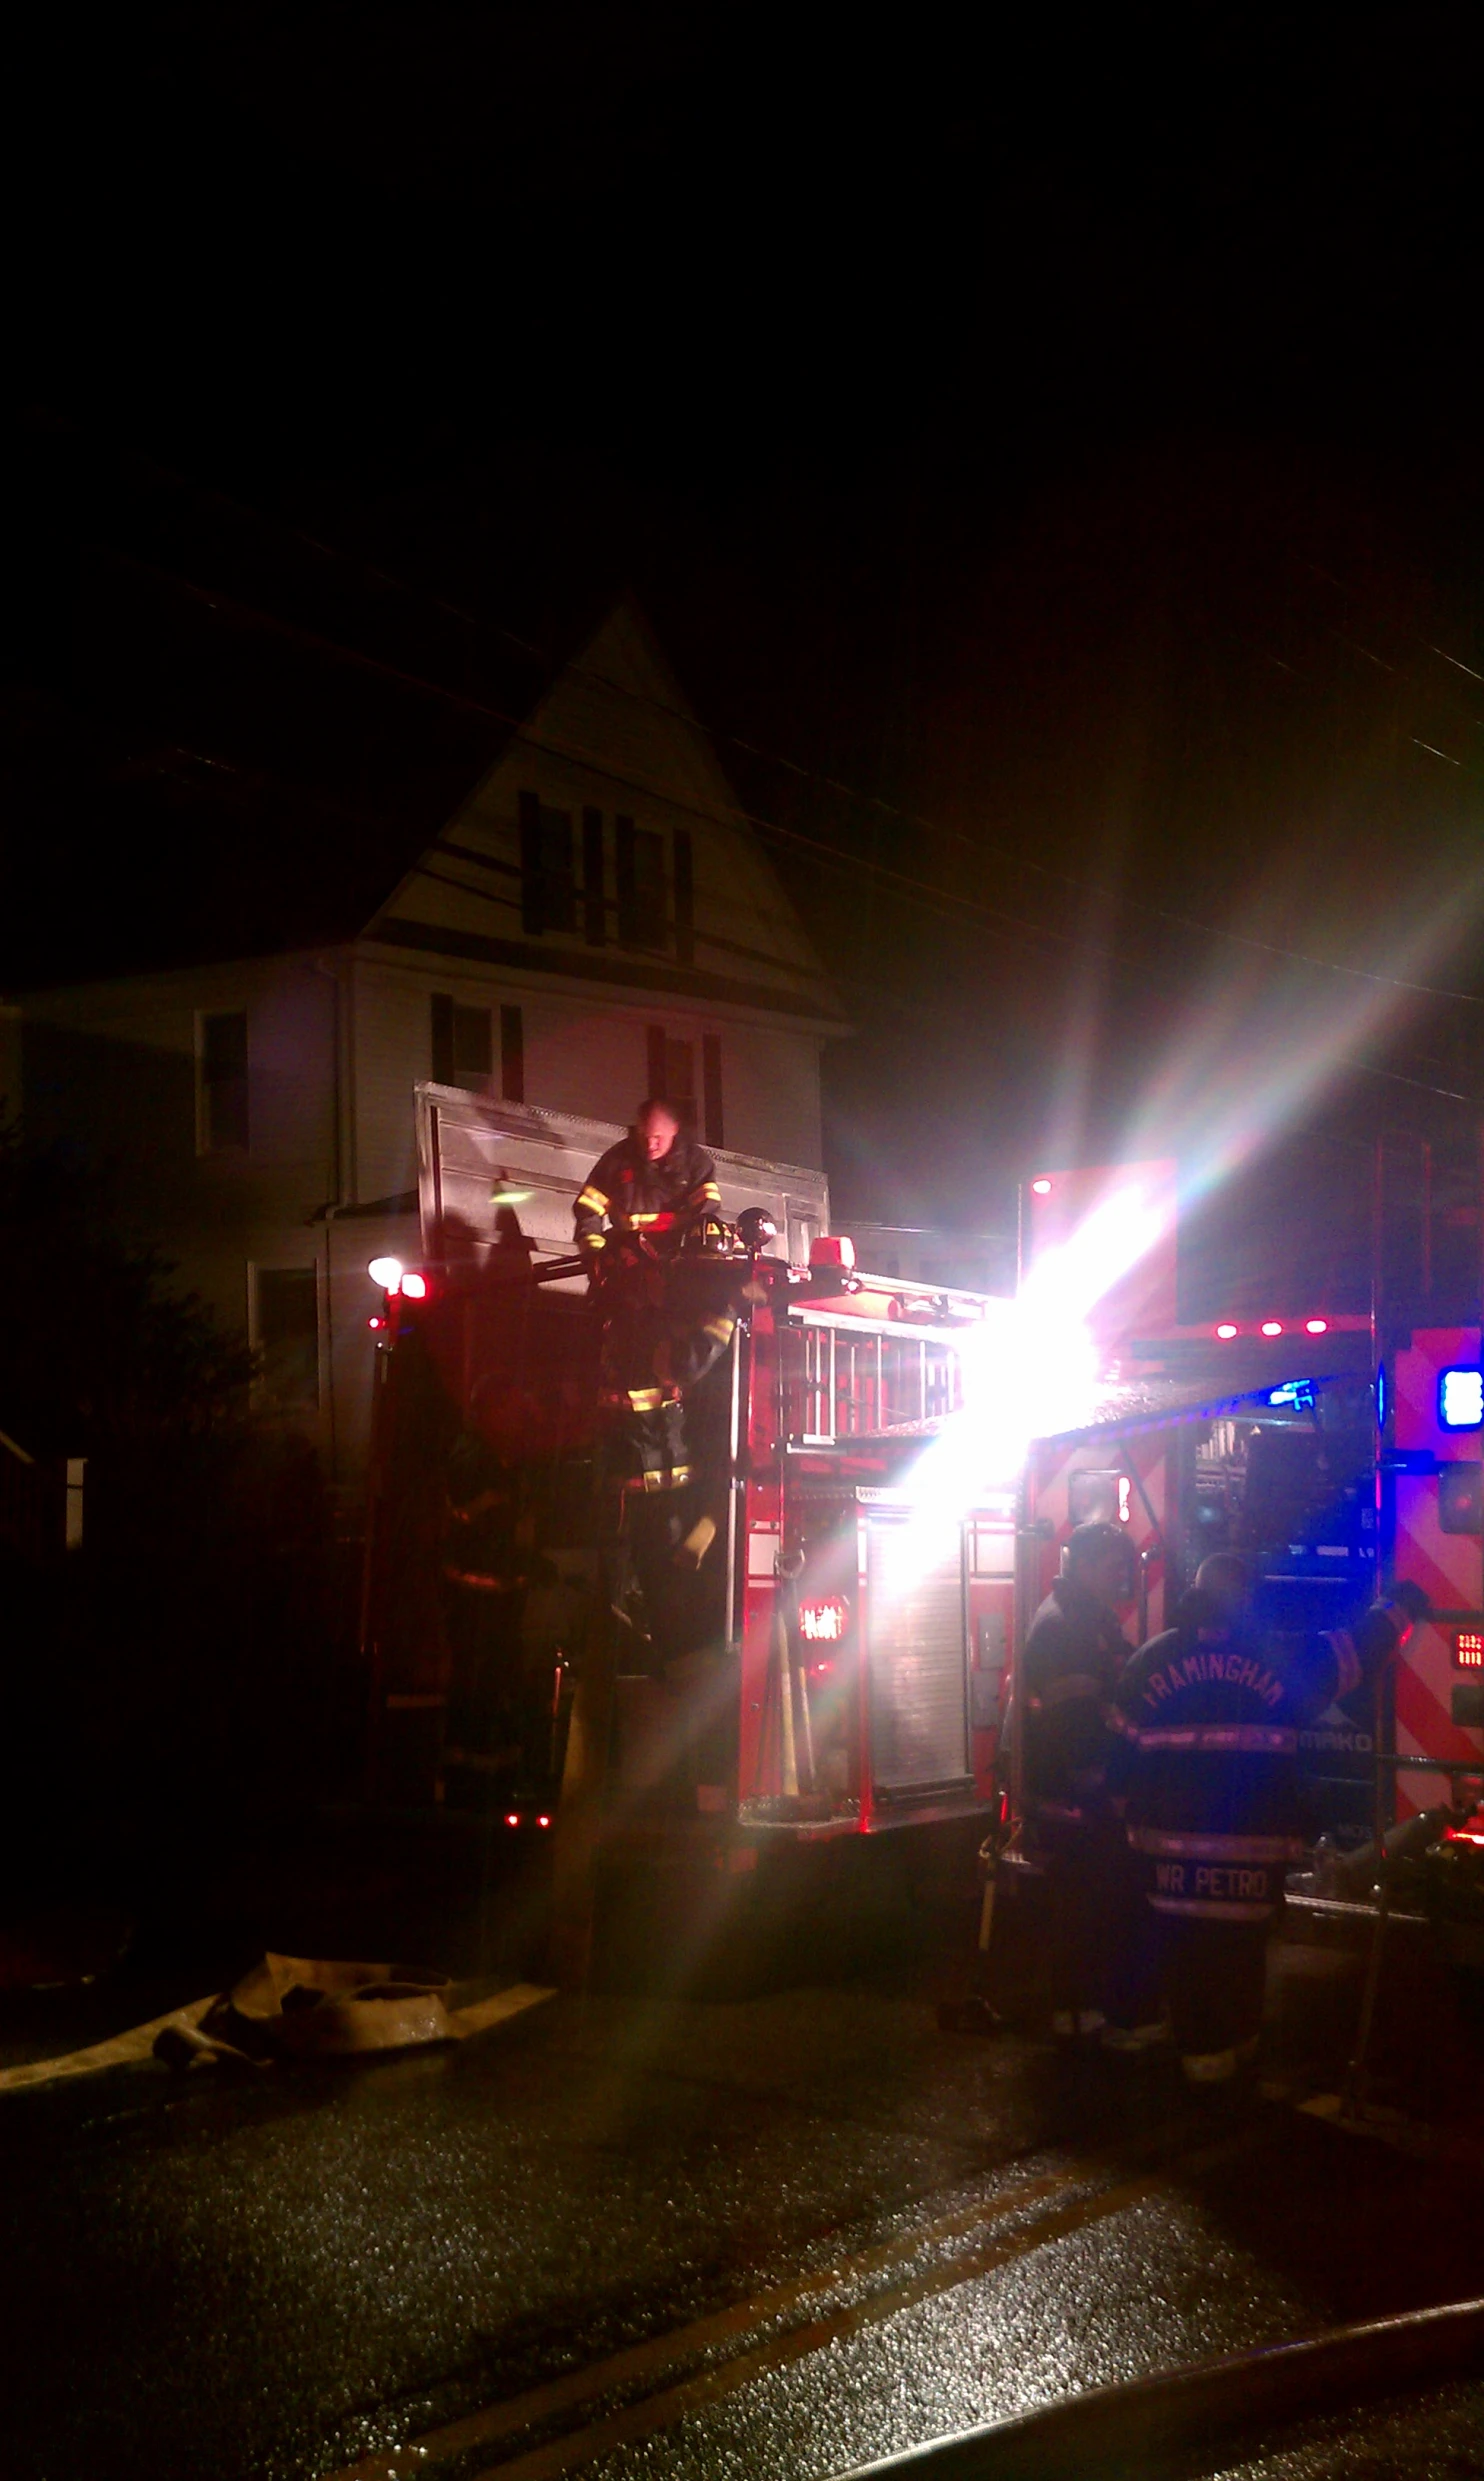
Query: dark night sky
[1069,440]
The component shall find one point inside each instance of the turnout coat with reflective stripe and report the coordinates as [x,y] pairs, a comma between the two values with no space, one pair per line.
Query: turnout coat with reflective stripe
[625,1190]
[1209,1763]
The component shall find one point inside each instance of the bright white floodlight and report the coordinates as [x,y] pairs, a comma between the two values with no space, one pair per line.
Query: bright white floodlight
[387,1272]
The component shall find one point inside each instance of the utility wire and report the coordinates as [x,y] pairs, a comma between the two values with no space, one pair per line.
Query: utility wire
[215,600]
[959,912]
[851,793]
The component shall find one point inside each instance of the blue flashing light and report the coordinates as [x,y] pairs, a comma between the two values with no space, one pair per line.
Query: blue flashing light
[1383,1400]
[1461,1399]
[1299,1392]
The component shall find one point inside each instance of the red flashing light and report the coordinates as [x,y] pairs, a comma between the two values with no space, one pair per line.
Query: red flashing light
[1316,1326]
[1462,1835]
[1270,1326]
[415,1287]
[543,1821]
[1468,1649]
[375,1324]
[1226,1330]
[512,1817]
[822,1623]
[1040,1188]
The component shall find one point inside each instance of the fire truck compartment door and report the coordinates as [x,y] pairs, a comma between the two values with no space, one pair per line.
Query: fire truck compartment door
[916,1661]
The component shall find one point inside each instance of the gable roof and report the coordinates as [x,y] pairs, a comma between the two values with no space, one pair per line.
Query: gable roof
[612,736]
[204,778]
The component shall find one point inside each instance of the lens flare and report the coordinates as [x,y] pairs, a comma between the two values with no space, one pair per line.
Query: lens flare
[1030,1370]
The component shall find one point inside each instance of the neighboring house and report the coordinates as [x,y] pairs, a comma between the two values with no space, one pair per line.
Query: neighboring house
[594,920]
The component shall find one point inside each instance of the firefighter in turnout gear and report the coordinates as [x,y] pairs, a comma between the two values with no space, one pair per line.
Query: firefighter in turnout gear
[1213,1711]
[1075,1654]
[650,1186]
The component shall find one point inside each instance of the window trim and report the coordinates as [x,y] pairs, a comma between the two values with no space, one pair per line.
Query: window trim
[444,1011]
[205,1150]
[535,880]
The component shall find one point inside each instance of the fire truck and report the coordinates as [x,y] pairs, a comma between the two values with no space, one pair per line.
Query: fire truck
[771,1628]
[780,1602]
[1339,1452]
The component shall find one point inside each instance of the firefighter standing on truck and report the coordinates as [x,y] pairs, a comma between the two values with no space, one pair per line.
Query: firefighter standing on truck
[1214,1707]
[1075,1654]
[652,1183]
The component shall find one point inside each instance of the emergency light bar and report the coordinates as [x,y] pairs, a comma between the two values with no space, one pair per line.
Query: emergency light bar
[1228,1330]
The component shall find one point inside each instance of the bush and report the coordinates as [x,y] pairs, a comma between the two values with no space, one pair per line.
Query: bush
[178,1668]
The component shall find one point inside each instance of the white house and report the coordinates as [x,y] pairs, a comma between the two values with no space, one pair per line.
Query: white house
[594,921]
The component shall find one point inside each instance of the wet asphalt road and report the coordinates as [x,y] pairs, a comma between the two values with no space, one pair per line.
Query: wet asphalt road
[780,2235]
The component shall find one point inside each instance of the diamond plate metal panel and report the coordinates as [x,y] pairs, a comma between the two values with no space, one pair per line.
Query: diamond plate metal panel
[916,1656]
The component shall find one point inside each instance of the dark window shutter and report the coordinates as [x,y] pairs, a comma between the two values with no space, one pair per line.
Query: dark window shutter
[442,1039]
[655,1079]
[685,897]
[594,920]
[512,1055]
[623,876]
[532,885]
[224,1078]
[711,1089]
[558,892]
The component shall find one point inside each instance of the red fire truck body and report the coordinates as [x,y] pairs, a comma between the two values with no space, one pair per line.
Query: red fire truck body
[859,1608]
[842,1644]
[857,1639]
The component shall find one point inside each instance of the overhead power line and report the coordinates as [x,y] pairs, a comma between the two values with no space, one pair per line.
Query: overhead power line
[1279,951]
[980,845]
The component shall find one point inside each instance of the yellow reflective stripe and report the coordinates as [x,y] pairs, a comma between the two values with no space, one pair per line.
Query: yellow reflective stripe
[1165,1844]
[720,1328]
[592,1240]
[1208,1908]
[646,1399]
[706,1194]
[593,1202]
[675,1480]
[640,1222]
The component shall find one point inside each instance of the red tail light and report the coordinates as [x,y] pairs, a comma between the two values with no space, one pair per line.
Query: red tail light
[414,1286]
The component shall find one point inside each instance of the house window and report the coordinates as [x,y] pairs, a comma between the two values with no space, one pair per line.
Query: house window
[711,1113]
[512,1055]
[672,1074]
[639,857]
[286,1333]
[547,884]
[685,898]
[594,907]
[222,1092]
[461,1044]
